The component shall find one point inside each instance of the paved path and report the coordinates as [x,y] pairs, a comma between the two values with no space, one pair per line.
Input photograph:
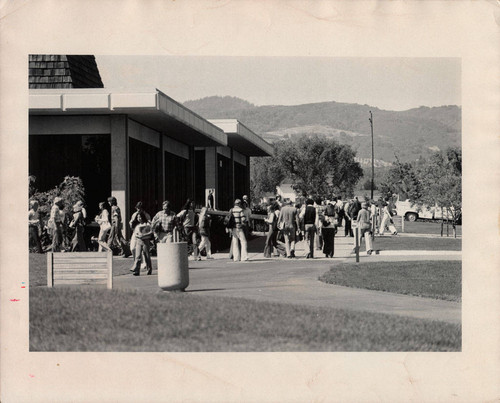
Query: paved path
[295,281]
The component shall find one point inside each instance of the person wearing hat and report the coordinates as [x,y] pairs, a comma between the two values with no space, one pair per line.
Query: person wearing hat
[78,224]
[34,226]
[55,223]
[238,233]
[115,234]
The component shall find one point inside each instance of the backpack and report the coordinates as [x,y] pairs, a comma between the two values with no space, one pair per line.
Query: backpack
[229,220]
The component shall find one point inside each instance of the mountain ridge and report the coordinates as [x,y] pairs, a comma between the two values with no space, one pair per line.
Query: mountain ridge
[408,134]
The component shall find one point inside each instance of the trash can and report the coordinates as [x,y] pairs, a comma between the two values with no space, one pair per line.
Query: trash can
[173,268]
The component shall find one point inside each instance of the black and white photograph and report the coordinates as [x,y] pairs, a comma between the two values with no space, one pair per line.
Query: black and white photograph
[317,211]
[249,201]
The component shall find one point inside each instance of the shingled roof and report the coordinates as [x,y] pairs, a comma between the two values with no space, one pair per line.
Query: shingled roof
[64,71]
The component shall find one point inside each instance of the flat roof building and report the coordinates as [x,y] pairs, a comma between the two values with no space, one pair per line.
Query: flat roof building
[137,145]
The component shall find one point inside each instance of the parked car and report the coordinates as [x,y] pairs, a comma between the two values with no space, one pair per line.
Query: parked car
[413,212]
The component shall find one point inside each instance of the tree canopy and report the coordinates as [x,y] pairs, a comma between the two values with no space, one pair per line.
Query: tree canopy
[435,181]
[315,166]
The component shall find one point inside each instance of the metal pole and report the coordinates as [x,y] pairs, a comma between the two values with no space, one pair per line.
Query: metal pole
[373,166]
[356,234]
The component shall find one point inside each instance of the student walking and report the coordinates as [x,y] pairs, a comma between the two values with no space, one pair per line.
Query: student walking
[163,223]
[347,220]
[308,216]
[272,234]
[238,217]
[115,239]
[78,224]
[289,222]
[104,225]
[365,228]
[204,222]
[144,235]
[55,223]
[387,221]
[187,218]
[34,226]
[329,228]
[133,222]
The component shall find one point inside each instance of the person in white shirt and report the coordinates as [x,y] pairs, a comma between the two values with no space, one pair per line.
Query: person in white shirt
[238,233]
[144,234]
[34,226]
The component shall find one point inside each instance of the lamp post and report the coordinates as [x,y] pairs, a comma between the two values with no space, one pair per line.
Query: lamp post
[373,167]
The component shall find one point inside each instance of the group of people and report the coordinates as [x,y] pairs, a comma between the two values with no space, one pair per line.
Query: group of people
[58,226]
[317,222]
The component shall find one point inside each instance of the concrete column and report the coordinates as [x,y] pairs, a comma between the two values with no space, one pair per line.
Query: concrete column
[211,172]
[232,192]
[247,180]
[119,167]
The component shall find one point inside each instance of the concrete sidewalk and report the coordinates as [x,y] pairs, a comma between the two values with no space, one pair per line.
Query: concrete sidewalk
[295,281]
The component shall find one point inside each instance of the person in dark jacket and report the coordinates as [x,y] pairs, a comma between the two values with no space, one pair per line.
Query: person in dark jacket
[354,209]
[329,228]
[309,218]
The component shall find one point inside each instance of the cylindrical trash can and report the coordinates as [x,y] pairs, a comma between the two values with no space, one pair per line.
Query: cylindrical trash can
[173,268]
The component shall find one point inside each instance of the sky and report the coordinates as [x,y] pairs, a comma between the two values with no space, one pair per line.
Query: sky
[386,83]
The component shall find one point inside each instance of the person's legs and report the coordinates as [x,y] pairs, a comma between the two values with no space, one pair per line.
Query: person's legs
[194,240]
[136,268]
[383,224]
[368,240]
[268,248]
[292,242]
[243,241]
[392,229]
[202,244]
[286,234]
[147,257]
[57,238]
[133,241]
[35,238]
[208,247]
[310,232]
[235,249]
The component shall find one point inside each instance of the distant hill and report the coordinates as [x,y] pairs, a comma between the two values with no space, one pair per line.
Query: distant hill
[407,134]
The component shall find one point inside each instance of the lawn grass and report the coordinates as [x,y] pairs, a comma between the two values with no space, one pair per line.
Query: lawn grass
[92,319]
[421,227]
[430,279]
[390,242]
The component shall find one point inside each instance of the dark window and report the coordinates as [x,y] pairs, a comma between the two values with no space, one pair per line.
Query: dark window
[199,178]
[225,183]
[177,180]
[144,176]
[52,157]
[240,180]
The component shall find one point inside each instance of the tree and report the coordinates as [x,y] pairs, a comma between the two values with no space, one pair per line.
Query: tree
[318,166]
[265,175]
[441,180]
[403,179]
